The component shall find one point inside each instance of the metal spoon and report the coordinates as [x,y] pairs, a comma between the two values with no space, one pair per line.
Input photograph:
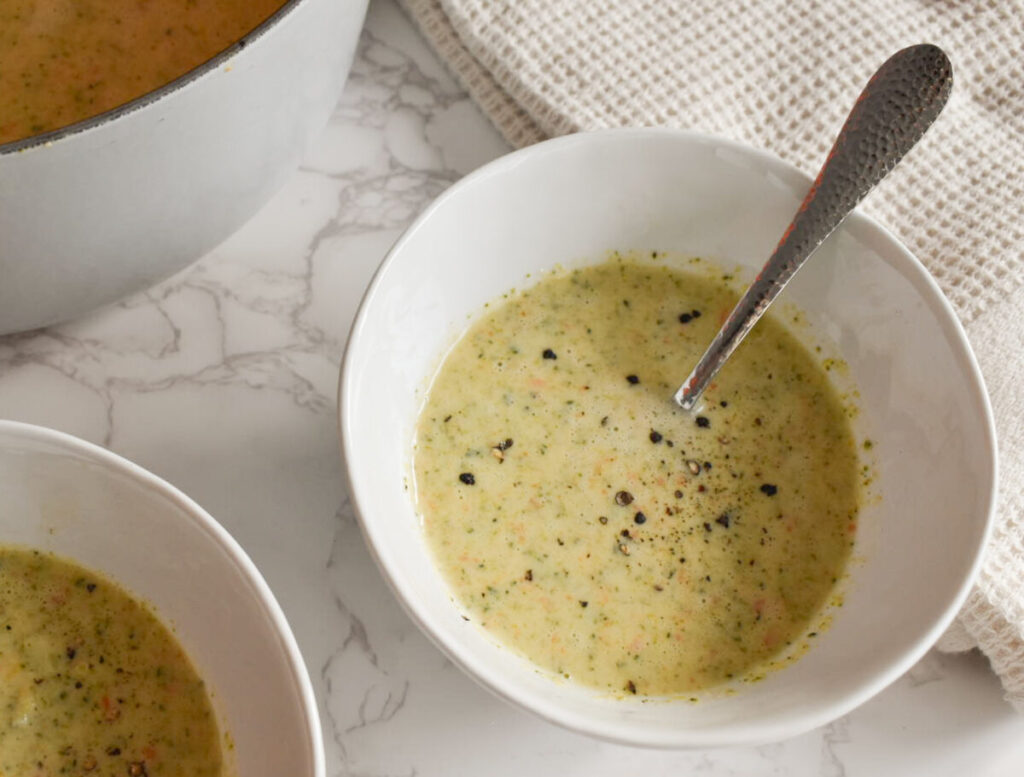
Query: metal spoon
[898,104]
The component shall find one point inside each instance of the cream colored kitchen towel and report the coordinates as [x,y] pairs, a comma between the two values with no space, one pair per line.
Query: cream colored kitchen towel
[781,75]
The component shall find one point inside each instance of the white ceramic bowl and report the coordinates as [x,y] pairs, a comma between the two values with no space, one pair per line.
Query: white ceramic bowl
[87,504]
[116,202]
[570,201]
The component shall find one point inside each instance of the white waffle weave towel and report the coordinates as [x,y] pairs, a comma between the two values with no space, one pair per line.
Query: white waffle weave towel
[781,75]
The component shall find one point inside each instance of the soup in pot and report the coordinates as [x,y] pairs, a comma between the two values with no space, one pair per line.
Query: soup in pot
[62,61]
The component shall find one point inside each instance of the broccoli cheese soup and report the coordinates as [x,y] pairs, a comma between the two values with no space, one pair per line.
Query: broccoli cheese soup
[91,682]
[597,529]
[62,61]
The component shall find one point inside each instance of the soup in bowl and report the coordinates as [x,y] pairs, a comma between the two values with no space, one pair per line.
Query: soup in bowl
[864,314]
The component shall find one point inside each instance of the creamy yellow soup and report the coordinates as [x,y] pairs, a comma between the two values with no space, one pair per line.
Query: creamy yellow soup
[62,61]
[91,683]
[610,537]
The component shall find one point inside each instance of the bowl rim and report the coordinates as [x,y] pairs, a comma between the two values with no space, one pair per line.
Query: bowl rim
[793,725]
[230,51]
[19,430]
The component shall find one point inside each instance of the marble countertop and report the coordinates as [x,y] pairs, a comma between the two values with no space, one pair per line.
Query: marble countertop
[223,380]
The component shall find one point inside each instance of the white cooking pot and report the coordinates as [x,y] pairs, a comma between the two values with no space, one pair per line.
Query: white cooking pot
[109,205]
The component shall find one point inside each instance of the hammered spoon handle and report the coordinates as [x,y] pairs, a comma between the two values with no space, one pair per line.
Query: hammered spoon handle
[898,104]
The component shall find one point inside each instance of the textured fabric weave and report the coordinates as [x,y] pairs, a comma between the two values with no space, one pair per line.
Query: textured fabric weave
[781,75]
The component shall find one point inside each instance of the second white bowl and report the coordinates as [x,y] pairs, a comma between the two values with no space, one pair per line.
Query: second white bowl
[84,503]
